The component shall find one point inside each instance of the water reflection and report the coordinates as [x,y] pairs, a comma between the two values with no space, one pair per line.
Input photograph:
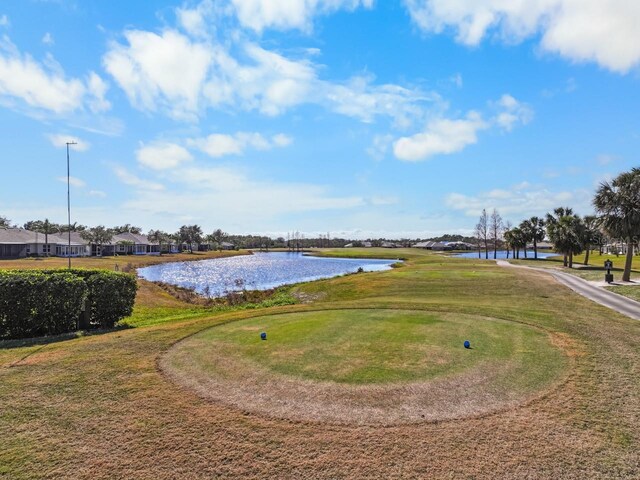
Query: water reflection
[259,271]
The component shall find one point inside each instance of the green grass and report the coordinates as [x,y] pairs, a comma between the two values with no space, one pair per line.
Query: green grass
[632,292]
[383,346]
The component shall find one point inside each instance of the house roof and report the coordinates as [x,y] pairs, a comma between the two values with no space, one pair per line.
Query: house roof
[134,238]
[20,236]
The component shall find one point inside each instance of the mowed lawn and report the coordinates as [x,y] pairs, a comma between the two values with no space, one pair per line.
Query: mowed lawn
[99,407]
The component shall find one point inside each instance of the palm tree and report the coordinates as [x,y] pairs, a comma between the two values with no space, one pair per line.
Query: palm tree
[591,234]
[517,239]
[536,233]
[566,233]
[160,237]
[553,219]
[618,205]
[509,241]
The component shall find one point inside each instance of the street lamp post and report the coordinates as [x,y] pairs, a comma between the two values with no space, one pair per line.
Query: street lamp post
[69,206]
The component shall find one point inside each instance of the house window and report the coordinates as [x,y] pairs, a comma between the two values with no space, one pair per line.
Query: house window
[46,248]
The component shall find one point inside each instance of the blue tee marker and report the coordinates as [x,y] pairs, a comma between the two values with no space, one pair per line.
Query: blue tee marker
[263,336]
[467,344]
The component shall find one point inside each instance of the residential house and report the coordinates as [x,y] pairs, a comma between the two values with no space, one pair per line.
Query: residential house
[18,242]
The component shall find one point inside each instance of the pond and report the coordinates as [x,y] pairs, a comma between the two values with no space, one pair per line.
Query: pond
[502,254]
[260,271]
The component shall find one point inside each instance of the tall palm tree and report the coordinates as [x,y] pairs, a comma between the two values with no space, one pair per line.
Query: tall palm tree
[566,233]
[536,233]
[511,240]
[591,234]
[552,221]
[517,240]
[618,205]
[527,233]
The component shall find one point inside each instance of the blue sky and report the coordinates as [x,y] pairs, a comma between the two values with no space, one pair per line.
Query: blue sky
[355,117]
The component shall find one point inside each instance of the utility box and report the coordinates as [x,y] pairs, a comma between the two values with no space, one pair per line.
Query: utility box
[608,277]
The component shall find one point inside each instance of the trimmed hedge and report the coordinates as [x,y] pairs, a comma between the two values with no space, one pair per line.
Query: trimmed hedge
[50,302]
[33,304]
[111,294]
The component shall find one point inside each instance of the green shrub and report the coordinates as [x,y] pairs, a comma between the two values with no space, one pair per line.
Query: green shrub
[50,302]
[111,296]
[34,303]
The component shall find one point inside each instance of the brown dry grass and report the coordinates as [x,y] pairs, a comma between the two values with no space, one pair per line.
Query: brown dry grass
[98,408]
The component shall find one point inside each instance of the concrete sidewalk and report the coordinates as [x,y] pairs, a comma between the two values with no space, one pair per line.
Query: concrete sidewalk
[623,305]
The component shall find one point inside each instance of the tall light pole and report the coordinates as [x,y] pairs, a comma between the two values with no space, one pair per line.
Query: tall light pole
[69,205]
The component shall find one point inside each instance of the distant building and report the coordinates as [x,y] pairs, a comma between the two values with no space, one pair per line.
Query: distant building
[18,242]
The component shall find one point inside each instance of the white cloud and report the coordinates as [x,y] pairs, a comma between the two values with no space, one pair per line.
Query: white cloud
[512,113]
[288,14]
[75,181]
[219,145]
[184,76]
[60,140]
[98,89]
[361,99]
[282,140]
[198,188]
[162,155]
[519,201]
[167,68]
[44,86]
[97,193]
[47,39]
[4,21]
[129,178]
[598,31]
[442,136]
[380,146]
[194,20]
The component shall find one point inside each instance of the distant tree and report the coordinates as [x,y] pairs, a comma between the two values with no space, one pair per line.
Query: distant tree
[190,234]
[535,232]
[97,235]
[482,233]
[495,230]
[567,234]
[517,239]
[618,206]
[127,227]
[5,222]
[217,237]
[507,226]
[509,241]
[75,227]
[591,234]
[44,227]
[160,237]
[553,219]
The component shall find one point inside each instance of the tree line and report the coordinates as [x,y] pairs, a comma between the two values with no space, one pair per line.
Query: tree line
[617,220]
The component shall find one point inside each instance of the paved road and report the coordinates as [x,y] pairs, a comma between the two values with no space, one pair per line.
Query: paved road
[616,302]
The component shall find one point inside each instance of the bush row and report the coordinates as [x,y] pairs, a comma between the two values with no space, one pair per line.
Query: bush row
[50,302]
